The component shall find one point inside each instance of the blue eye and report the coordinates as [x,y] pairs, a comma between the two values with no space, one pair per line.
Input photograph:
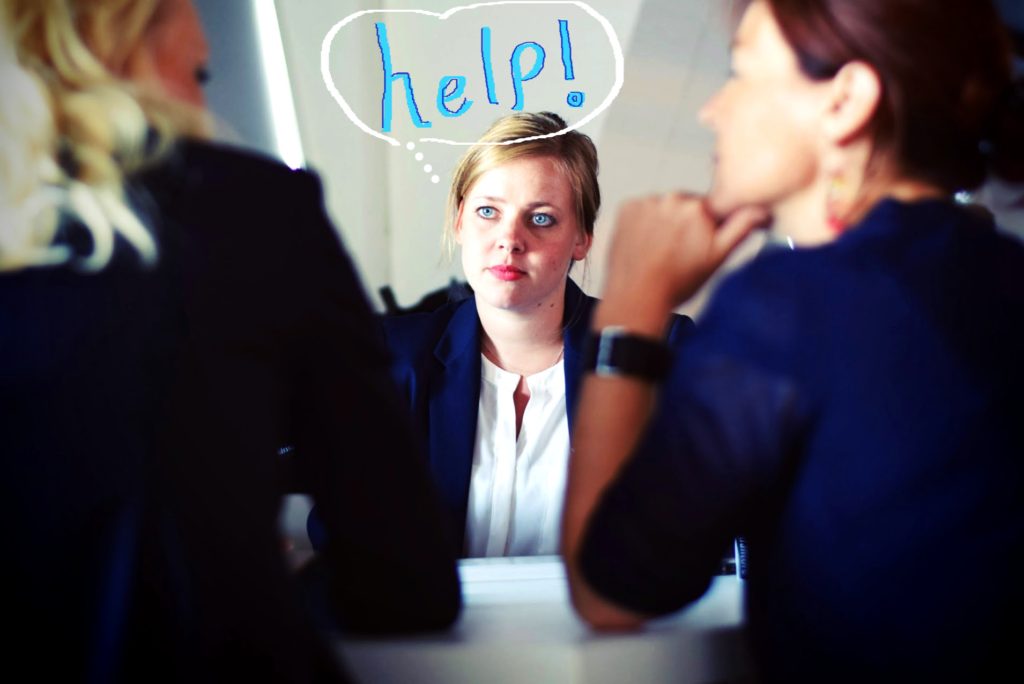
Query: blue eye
[486,212]
[542,220]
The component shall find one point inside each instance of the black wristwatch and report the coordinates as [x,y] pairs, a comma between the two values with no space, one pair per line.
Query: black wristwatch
[613,351]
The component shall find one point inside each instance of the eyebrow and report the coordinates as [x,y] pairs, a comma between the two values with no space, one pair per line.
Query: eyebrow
[501,200]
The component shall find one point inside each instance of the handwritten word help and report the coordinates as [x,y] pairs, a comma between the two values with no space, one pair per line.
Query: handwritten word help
[413,76]
[450,101]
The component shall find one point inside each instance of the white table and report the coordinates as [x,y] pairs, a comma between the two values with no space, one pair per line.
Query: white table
[517,626]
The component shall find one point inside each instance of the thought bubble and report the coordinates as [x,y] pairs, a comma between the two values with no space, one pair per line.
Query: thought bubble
[444,77]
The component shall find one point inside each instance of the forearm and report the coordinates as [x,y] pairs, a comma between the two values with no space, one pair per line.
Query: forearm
[665,247]
[612,414]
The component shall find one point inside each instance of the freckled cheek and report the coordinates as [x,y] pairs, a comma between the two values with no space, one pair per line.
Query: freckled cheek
[477,252]
[470,257]
[555,261]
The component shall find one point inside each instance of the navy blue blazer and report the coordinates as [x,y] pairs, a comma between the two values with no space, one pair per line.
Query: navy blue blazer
[854,410]
[436,366]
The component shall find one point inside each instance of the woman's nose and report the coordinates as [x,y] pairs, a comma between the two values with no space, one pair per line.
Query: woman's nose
[510,236]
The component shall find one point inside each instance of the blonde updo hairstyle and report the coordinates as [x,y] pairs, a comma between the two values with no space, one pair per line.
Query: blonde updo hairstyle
[574,152]
[71,128]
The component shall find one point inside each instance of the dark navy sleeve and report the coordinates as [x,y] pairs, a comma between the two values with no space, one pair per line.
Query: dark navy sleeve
[410,340]
[724,421]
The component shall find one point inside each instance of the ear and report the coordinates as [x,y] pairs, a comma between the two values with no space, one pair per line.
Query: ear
[854,95]
[582,246]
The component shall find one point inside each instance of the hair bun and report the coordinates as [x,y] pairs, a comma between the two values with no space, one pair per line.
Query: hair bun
[559,121]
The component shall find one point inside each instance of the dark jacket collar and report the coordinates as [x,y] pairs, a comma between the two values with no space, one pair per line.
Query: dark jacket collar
[462,334]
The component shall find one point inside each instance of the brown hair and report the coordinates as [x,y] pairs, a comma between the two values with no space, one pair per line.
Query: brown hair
[573,151]
[950,111]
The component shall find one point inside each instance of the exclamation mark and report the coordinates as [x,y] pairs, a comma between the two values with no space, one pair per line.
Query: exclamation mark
[575,97]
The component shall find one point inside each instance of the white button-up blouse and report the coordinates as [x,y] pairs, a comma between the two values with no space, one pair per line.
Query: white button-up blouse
[517,485]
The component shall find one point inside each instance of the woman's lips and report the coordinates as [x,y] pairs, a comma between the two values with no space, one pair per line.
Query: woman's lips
[507,273]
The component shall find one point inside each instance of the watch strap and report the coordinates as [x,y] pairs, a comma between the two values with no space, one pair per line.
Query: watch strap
[614,351]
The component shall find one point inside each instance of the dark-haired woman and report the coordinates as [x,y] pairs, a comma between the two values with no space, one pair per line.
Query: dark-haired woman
[853,407]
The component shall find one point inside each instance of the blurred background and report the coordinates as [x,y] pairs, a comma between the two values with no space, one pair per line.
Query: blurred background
[268,94]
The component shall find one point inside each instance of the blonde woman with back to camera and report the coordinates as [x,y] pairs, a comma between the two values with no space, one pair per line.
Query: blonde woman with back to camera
[171,312]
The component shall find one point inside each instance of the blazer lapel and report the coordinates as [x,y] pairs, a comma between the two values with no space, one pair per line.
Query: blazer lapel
[576,321]
[453,407]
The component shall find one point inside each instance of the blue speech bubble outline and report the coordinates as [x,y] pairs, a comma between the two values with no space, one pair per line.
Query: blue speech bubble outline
[613,39]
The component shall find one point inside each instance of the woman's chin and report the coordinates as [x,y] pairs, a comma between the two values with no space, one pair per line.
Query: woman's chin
[720,204]
[498,298]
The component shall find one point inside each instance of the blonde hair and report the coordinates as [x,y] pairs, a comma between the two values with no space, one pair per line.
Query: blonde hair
[70,130]
[573,151]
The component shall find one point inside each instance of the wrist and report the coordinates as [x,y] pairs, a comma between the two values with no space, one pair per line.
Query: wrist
[615,351]
[639,315]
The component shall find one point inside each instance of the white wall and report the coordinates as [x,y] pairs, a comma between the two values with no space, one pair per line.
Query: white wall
[351,164]
[236,92]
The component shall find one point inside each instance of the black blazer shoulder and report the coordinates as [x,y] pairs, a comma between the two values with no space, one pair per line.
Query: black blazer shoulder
[228,173]
[282,348]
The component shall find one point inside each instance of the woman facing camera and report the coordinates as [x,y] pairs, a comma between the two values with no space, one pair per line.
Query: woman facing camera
[491,381]
[852,406]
